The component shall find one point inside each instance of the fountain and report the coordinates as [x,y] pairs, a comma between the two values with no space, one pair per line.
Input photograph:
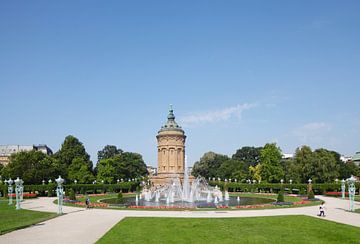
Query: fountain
[185,193]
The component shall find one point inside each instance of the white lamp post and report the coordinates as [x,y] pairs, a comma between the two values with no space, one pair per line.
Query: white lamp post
[75,181]
[290,181]
[351,183]
[18,192]
[21,190]
[343,187]
[282,181]
[10,190]
[60,193]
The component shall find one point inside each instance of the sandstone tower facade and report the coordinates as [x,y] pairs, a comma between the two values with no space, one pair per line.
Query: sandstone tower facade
[171,151]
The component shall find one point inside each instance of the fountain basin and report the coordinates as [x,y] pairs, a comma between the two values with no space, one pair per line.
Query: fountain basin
[232,202]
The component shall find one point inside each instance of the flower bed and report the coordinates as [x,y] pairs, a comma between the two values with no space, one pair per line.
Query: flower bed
[25,195]
[253,206]
[93,195]
[335,193]
[157,207]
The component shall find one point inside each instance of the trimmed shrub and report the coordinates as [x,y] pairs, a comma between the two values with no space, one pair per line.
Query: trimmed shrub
[280,197]
[311,195]
[71,194]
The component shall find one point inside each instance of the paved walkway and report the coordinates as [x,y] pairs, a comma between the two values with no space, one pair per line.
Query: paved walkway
[87,226]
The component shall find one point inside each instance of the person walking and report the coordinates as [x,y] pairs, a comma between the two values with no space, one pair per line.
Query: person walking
[87,202]
[322,210]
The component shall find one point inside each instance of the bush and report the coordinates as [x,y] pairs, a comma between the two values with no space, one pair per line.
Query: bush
[311,195]
[302,192]
[71,194]
[280,197]
[120,198]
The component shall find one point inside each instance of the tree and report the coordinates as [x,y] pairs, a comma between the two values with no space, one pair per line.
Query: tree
[108,151]
[79,170]
[326,168]
[126,165]
[32,167]
[255,172]
[209,165]
[291,170]
[106,170]
[70,149]
[304,158]
[131,165]
[231,168]
[249,155]
[270,157]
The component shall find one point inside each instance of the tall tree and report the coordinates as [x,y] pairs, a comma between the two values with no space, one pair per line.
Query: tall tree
[79,170]
[32,167]
[304,158]
[271,170]
[326,168]
[209,165]
[127,165]
[70,149]
[231,168]
[249,155]
[73,150]
[108,151]
[107,170]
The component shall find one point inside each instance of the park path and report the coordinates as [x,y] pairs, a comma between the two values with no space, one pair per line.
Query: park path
[87,226]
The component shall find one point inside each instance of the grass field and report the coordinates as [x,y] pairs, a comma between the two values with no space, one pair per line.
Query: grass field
[278,229]
[11,219]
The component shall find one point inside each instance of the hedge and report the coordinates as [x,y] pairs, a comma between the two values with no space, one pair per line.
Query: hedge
[50,189]
[276,187]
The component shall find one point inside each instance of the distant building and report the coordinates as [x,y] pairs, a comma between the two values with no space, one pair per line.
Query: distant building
[345,159]
[7,150]
[287,155]
[356,159]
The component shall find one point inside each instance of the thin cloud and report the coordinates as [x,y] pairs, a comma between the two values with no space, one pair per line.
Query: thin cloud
[312,132]
[217,115]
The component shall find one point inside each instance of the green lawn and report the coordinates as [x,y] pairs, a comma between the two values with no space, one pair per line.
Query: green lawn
[278,229]
[11,219]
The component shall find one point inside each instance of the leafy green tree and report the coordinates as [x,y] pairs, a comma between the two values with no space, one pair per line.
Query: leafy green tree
[106,170]
[209,165]
[108,151]
[32,167]
[304,158]
[271,170]
[249,155]
[255,172]
[70,149]
[291,170]
[346,170]
[79,170]
[326,168]
[231,168]
[130,165]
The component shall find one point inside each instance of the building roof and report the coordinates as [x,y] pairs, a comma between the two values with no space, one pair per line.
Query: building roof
[356,157]
[171,124]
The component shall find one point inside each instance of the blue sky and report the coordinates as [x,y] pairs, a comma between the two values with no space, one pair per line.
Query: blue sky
[238,73]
